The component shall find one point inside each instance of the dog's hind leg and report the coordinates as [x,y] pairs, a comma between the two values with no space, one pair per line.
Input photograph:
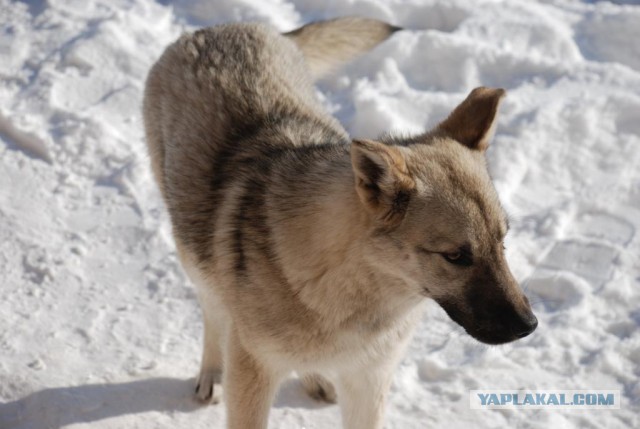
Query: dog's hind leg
[318,387]
[208,389]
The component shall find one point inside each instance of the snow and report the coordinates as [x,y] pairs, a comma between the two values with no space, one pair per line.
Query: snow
[99,326]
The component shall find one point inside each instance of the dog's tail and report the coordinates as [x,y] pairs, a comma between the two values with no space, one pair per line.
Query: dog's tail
[328,44]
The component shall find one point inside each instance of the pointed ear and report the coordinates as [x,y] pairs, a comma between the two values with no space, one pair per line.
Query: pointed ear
[473,121]
[382,179]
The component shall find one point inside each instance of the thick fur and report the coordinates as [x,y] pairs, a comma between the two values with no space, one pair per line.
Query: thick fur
[312,253]
[327,44]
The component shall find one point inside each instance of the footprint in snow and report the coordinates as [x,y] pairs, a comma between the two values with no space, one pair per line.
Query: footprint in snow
[574,266]
[593,259]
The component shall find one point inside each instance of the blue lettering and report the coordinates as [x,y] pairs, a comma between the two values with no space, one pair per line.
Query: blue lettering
[505,398]
[605,400]
[529,400]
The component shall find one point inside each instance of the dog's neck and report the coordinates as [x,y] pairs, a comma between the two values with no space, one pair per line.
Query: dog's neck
[323,252]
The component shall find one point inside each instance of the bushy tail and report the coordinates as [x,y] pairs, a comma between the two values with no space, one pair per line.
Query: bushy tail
[328,44]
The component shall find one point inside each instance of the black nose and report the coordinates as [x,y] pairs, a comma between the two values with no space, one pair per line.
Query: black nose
[527,325]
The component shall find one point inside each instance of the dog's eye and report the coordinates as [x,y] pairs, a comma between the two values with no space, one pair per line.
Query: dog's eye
[460,257]
[452,257]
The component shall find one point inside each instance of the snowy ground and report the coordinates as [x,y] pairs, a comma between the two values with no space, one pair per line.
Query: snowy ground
[98,325]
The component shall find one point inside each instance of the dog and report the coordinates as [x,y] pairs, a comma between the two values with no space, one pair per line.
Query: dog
[310,251]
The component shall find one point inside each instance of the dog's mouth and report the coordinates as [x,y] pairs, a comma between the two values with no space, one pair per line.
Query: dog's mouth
[492,330]
[492,337]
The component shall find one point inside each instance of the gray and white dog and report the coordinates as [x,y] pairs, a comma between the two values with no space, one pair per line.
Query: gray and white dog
[312,252]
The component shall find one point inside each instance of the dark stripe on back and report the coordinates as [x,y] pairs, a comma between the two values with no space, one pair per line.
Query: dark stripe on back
[251,151]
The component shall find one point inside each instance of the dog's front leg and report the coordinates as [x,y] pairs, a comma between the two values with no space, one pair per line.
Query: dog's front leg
[249,386]
[362,394]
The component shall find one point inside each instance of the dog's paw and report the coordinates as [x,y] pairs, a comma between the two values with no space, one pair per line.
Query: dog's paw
[208,388]
[319,388]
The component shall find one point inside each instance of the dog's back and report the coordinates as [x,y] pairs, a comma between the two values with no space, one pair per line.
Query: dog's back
[225,96]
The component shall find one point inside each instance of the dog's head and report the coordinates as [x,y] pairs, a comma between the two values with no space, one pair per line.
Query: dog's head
[437,221]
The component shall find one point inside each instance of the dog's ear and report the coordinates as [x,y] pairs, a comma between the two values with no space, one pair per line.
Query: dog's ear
[383,182]
[473,121]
